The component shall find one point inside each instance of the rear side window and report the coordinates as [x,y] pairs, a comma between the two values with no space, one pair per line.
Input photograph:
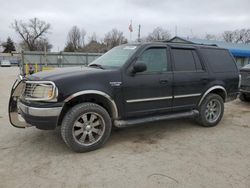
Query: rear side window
[186,60]
[219,60]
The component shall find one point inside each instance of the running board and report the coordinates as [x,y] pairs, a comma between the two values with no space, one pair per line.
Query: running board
[131,122]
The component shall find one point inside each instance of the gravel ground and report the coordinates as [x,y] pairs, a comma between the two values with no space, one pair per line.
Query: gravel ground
[164,154]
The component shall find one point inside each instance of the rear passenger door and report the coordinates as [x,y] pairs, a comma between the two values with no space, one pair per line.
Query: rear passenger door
[189,77]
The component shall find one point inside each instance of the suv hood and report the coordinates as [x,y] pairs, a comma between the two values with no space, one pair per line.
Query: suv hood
[245,69]
[63,73]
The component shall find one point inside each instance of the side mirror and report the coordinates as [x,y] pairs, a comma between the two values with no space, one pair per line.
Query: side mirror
[139,66]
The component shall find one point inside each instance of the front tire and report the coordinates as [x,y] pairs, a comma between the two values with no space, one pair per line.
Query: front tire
[211,110]
[86,127]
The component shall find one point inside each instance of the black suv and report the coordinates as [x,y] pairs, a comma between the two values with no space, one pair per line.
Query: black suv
[245,83]
[130,84]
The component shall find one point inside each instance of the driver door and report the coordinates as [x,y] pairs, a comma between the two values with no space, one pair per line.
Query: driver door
[149,92]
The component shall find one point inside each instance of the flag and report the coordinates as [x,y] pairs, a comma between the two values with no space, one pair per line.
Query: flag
[130,28]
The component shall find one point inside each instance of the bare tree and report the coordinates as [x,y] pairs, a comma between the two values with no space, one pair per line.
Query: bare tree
[114,38]
[211,37]
[229,36]
[32,32]
[243,36]
[95,47]
[83,34]
[75,40]
[93,37]
[159,34]
[237,36]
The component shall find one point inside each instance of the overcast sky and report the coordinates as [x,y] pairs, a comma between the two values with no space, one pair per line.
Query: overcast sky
[191,17]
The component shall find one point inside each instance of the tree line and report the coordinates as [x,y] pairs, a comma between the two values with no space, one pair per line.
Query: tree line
[34,37]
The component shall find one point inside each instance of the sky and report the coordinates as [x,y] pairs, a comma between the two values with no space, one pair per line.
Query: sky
[187,18]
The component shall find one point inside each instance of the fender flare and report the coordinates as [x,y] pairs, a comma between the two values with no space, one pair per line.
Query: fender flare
[96,92]
[211,89]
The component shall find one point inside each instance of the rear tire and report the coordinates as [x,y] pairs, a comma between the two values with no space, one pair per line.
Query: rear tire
[86,127]
[211,110]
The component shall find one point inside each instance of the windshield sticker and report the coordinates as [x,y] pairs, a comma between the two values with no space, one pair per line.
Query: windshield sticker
[129,47]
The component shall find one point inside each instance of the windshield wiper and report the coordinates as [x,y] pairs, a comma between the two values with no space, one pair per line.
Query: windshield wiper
[96,65]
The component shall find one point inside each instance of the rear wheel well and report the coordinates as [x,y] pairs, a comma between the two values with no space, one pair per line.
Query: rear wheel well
[92,98]
[219,92]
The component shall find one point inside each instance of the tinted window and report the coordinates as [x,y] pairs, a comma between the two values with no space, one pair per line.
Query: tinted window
[155,59]
[197,61]
[220,60]
[184,60]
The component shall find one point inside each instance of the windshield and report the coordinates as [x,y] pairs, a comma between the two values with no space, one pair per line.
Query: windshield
[116,57]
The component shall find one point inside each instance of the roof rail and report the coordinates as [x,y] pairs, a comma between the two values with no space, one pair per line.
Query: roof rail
[187,42]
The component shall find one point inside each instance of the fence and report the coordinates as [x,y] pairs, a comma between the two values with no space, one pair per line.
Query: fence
[13,58]
[39,61]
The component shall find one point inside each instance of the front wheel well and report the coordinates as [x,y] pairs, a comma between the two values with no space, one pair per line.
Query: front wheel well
[92,98]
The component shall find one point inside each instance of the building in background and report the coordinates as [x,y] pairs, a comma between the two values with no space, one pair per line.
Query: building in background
[241,52]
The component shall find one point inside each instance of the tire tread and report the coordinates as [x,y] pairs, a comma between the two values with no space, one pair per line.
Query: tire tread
[67,121]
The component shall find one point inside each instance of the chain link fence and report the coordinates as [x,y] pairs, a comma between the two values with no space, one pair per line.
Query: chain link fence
[30,62]
[40,61]
[13,58]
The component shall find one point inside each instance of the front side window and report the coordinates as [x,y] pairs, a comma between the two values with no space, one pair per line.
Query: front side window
[155,59]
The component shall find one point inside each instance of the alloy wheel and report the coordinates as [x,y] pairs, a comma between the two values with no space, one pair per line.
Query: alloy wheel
[88,128]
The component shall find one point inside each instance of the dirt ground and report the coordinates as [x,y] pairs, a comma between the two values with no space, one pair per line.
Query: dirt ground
[164,154]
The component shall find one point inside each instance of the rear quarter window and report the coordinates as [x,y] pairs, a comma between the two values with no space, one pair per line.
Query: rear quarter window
[219,60]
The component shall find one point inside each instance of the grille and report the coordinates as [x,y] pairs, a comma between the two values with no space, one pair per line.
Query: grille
[29,88]
[244,75]
[245,78]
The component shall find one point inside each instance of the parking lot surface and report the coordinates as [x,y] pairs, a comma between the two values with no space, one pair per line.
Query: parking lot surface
[176,153]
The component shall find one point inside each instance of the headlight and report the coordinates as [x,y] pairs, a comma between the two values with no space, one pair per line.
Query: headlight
[40,91]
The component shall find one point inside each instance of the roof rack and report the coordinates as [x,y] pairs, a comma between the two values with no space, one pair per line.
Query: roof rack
[187,42]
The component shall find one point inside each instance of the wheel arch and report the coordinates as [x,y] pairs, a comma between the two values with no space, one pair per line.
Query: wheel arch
[220,90]
[95,96]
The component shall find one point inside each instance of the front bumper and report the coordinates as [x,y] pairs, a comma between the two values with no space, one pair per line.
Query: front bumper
[244,91]
[41,118]
[39,112]
[22,115]
[245,88]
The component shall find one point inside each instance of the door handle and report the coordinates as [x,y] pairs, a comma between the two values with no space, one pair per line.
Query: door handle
[205,79]
[163,81]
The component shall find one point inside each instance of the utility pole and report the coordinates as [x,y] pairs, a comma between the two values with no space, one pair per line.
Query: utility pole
[130,30]
[139,33]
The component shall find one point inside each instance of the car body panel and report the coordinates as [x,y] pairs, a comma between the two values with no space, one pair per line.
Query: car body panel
[135,95]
